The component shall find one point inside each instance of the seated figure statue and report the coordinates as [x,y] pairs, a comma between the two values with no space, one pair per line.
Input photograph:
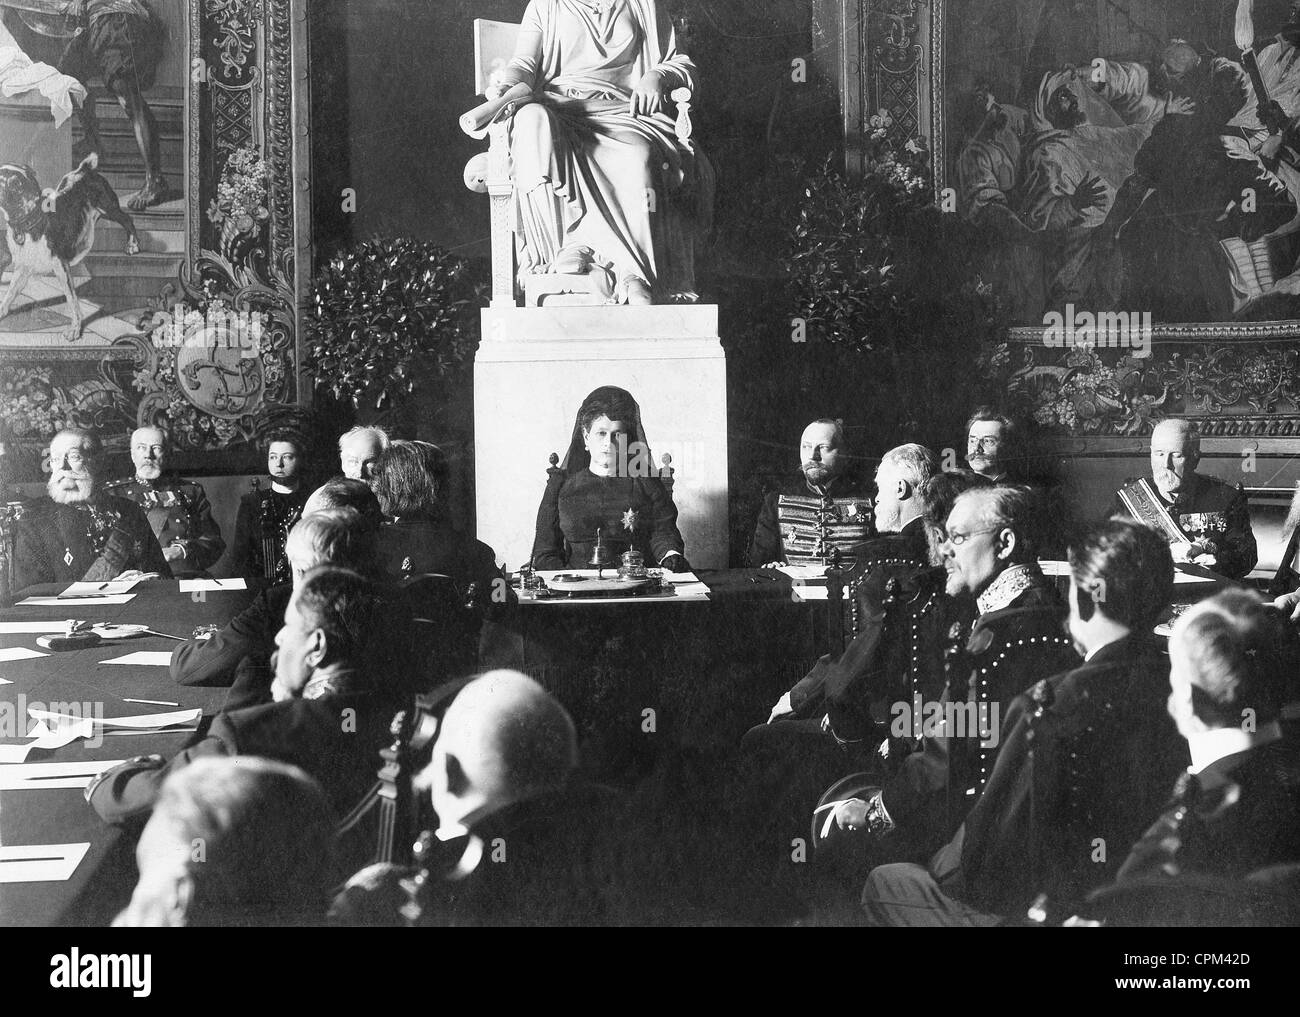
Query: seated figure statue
[604,181]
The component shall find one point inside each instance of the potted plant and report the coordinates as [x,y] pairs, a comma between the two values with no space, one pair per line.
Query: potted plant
[385,315]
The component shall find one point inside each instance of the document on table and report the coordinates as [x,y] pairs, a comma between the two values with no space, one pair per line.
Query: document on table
[31,628]
[143,722]
[19,653]
[40,863]
[154,658]
[69,603]
[112,588]
[42,776]
[216,585]
[804,573]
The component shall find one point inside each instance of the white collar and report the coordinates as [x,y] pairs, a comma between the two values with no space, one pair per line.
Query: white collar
[1009,585]
[1208,747]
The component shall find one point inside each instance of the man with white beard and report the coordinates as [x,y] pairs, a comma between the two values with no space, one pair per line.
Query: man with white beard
[82,532]
[177,509]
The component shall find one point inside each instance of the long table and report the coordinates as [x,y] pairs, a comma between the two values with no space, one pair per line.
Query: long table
[103,880]
[639,678]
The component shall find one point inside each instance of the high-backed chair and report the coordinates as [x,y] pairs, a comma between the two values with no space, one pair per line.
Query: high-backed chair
[489,173]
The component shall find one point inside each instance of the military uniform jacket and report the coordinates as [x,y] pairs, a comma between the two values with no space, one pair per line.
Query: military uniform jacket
[56,543]
[1008,650]
[1214,515]
[888,609]
[800,526]
[1104,751]
[179,513]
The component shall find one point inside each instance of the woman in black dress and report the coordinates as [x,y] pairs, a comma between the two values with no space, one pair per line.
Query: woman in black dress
[607,483]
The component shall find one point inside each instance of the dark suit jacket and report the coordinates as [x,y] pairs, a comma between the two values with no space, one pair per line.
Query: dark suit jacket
[250,633]
[413,547]
[1103,753]
[1007,651]
[335,739]
[1285,580]
[53,544]
[1239,814]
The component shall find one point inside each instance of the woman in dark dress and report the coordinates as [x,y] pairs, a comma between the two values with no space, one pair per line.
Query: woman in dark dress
[607,483]
[267,514]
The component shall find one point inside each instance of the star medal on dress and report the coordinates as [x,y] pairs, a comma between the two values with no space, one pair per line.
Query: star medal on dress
[406,564]
[630,520]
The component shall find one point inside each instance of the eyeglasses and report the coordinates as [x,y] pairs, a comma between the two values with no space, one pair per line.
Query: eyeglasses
[957,539]
[73,459]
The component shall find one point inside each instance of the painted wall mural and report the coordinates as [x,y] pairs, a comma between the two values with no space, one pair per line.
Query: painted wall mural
[185,153]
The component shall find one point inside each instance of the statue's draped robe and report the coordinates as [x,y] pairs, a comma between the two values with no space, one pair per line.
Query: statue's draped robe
[586,171]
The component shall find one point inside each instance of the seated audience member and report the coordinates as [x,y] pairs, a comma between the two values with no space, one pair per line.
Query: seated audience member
[359,449]
[1016,639]
[789,531]
[502,774]
[1206,521]
[797,749]
[178,510]
[1287,578]
[82,532]
[337,685]
[420,539]
[1237,808]
[607,490]
[1086,755]
[937,496]
[266,830]
[337,537]
[266,515]
[993,446]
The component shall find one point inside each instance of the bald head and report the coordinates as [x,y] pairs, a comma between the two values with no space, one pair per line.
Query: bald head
[504,739]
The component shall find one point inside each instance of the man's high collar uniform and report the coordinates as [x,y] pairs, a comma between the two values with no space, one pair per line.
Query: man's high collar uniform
[179,512]
[1018,638]
[801,523]
[1213,515]
[92,540]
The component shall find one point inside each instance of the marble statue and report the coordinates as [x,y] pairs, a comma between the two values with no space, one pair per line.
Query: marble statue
[607,184]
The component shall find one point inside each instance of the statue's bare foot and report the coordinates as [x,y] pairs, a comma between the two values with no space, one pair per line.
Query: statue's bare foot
[638,292]
[132,245]
[154,192]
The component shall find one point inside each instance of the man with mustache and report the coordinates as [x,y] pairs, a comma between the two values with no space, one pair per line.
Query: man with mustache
[178,510]
[82,532]
[1206,521]
[989,558]
[827,507]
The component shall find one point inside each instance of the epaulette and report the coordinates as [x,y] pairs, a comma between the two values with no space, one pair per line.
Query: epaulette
[124,482]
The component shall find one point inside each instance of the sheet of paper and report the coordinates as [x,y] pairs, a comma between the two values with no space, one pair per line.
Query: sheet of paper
[154,658]
[20,653]
[144,721]
[68,605]
[5,681]
[40,863]
[41,776]
[31,628]
[806,573]
[112,588]
[802,594]
[215,585]
[14,753]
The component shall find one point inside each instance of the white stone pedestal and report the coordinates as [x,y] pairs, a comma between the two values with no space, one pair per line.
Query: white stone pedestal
[534,367]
